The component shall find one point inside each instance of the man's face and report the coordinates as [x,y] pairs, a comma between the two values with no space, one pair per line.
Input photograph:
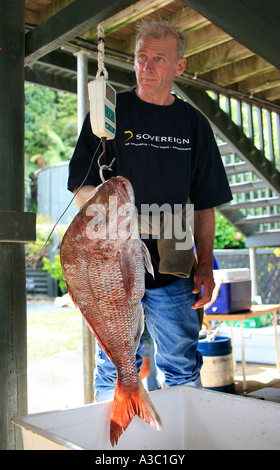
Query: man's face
[156,64]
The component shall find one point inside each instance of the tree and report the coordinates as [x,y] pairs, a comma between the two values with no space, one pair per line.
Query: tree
[50,127]
[226,235]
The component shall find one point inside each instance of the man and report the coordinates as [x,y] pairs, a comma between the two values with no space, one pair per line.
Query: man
[167,150]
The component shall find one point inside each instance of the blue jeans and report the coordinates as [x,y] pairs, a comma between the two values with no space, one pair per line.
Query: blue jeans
[174,327]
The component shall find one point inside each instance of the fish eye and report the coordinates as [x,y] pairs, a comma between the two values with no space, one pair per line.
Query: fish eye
[98,223]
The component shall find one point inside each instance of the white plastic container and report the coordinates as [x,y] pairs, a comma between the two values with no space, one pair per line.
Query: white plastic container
[217,370]
[231,275]
[259,343]
[193,419]
[269,393]
[235,291]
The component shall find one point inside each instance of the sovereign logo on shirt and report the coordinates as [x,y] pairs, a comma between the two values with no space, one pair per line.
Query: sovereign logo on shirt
[158,141]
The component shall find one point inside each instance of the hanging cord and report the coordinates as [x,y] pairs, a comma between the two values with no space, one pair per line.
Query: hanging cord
[101,52]
[67,207]
[102,69]
[104,167]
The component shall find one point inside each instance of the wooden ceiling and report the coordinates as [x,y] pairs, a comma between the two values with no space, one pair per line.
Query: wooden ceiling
[215,59]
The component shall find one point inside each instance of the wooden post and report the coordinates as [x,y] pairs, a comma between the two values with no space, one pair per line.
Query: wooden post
[15,228]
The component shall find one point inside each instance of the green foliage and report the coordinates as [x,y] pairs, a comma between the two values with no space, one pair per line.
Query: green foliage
[55,270]
[277,252]
[39,250]
[226,235]
[50,127]
[275,263]
[43,225]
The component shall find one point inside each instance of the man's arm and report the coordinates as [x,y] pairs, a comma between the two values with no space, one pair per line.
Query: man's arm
[83,195]
[204,233]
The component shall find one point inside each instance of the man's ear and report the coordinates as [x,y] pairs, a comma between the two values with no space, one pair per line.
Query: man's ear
[181,65]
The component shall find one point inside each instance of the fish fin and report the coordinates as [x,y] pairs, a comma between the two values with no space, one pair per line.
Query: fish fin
[125,265]
[126,406]
[147,259]
[140,328]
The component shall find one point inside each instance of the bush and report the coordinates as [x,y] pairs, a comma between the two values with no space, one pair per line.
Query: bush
[226,235]
[55,270]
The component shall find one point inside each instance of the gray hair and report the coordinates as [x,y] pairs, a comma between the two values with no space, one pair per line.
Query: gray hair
[160,29]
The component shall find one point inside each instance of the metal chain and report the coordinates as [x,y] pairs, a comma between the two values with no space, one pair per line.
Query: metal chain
[101,53]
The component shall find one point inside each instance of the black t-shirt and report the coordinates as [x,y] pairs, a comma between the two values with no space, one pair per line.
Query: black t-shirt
[168,153]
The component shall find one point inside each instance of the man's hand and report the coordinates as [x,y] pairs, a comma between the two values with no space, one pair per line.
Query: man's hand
[203,277]
[204,232]
[83,195]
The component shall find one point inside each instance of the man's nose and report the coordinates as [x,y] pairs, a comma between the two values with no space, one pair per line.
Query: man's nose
[149,64]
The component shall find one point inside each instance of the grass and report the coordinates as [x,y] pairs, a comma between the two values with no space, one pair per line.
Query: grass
[53,332]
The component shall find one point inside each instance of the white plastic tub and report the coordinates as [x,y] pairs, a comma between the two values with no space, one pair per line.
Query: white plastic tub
[193,419]
[259,343]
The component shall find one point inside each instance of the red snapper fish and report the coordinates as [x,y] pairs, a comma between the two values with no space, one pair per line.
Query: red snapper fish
[103,261]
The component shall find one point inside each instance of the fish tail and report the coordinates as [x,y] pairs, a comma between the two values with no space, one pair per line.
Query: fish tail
[126,406]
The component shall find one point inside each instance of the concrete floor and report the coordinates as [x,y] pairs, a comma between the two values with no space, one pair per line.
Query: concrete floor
[55,382]
[258,376]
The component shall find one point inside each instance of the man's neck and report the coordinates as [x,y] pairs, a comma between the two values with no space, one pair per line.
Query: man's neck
[163,100]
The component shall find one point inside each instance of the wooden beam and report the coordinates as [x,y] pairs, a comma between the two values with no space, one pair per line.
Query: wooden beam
[60,61]
[187,20]
[53,7]
[263,239]
[253,23]
[48,78]
[204,39]
[217,57]
[67,24]
[127,16]
[239,71]
[260,82]
[37,5]
[272,95]
[32,16]
[198,40]
[202,34]
[19,227]
[58,70]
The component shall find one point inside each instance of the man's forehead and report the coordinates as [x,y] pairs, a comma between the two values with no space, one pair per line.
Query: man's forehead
[159,45]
